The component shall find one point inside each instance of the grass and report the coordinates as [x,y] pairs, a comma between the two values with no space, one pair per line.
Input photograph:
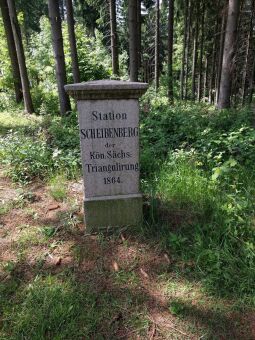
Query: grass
[15,121]
[60,308]
[58,187]
[187,272]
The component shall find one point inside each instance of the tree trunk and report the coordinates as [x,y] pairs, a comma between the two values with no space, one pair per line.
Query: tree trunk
[57,42]
[139,34]
[229,51]
[212,75]
[251,82]
[194,61]
[62,9]
[114,38]
[199,85]
[21,57]
[206,77]
[184,49]
[248,49]
[11,50]
[72,41]
[133,51]
[170,48]
[156,72]
[222,39]
[187,50]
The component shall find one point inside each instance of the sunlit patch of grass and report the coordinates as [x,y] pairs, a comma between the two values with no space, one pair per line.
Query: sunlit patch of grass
[187,192]
[17,120]
[29,236]
[58,187]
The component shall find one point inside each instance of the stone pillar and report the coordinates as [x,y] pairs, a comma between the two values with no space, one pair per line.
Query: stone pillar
[109,136]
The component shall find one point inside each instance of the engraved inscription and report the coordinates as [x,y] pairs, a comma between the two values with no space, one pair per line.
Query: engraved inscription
[109,133]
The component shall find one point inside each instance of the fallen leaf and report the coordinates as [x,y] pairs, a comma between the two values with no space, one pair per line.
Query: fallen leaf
[115,266]
[143,272]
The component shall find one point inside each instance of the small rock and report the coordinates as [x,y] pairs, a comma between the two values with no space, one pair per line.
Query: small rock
[53,206]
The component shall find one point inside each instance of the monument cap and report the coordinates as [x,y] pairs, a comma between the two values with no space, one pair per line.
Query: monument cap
[106,89]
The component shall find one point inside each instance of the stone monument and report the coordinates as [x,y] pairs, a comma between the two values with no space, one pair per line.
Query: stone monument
[109,137]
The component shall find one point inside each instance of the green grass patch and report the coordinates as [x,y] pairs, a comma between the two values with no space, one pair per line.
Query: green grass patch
[18,121]
[58,187]
[61,308]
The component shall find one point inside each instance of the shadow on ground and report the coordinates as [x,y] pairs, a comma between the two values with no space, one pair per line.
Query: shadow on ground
[108,286]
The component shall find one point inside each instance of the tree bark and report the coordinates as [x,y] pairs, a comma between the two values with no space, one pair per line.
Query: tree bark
[229,51]
[222,39]
[156,71]
[72,41]
[21,57]
[57,42]
[139,34]
[194,61]
[133,51]
[61,9]
[248,50]
[199,85]
[206,77]
[114,38]
[11,50]
[212,75]
[187,50]
[170,48]
[184,49]
[251,81]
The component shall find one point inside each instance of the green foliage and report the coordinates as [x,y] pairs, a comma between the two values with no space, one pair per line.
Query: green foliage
[198,169]
[26,157]
[204,192]
[6,79]
[34,151]
[94,62]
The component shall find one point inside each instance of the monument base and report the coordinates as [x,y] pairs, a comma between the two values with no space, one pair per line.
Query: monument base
[112,211]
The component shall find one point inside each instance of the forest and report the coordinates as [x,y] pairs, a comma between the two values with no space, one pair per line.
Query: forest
[187,271]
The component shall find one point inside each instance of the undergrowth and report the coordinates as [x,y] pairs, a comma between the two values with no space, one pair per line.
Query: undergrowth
[39,151]
[197,169]
[198,172]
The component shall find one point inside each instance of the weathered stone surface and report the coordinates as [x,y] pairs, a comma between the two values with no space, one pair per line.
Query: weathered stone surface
[109,132]
[106,89]
[107,212]
[109,135]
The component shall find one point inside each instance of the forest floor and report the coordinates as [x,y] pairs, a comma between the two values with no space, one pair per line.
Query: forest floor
[56,282]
